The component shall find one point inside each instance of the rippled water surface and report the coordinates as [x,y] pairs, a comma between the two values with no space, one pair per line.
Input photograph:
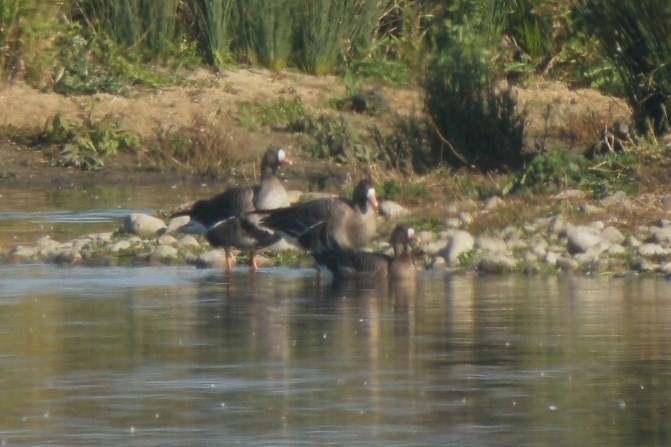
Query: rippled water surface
[175,356]
[178,356]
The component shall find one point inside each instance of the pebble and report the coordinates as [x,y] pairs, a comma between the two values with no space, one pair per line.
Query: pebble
[460,242]
[143,224]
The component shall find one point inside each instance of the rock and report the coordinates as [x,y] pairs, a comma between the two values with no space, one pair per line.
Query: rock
[393,210]
[176,223]
[163,253]
[460,242]
[665,268]
[665,203]
[570,194]
[650,249]
[660,235]
[492,245]
[589,209]
[492,203]
[315,195]
[166,239]
[619,200]
[23,254]
[452,222]
[120,245]
[567,264]
[466,218]
[539,248]
[612,235]
[437,262]
[143,224]
[68,257]
[551,258]
[580,239]
[426,236]
[558,226]
[493,263]
[616,250]
[212,259]
[188,242]
[631,241]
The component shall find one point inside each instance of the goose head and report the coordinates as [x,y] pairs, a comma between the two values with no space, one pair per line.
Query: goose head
[364,195]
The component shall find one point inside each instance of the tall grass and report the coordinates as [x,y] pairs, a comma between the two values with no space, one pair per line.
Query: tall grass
[267,30]
[146,25]
[215,20]
[329,26]
[636,37]
[13,17]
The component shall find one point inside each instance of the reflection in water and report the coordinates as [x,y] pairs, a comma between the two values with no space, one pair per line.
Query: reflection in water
[178,356]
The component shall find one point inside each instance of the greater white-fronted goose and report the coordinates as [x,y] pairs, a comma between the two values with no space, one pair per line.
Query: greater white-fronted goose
[350,263]
[327,223]
[225,218]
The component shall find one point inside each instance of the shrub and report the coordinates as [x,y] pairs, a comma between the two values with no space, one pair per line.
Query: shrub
[475,122]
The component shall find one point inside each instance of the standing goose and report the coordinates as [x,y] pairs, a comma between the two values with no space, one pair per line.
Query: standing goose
[349,263]
[225,220]
[321,224]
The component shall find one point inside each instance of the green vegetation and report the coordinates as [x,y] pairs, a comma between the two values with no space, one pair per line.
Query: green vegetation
[463,54]
[640,50]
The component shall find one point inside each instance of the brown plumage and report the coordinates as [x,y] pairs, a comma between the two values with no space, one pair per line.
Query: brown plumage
[343,263]
[225,218]
[326,223]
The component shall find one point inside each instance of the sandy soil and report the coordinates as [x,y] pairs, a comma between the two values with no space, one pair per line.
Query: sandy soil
[557,116]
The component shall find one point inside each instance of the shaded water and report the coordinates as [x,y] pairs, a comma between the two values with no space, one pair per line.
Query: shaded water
[178,356]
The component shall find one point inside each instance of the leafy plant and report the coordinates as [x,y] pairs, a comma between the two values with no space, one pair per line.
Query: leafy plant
[332,138]
[560,170]
[85,145]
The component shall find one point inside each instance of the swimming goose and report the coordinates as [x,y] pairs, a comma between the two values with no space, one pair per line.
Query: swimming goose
[224,218]
[327,223]
[349,263]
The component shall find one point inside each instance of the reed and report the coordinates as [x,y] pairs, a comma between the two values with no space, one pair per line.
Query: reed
[14,17]
[215,21]
[146,25]
[640,49]
[267,30]
[330,27]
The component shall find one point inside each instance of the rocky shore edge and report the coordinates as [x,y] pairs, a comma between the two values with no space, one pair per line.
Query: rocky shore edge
[551,244]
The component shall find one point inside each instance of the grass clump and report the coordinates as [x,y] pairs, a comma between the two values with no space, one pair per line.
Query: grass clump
[640,50]
[280,114]
[560,170]
[215,22]
[266,31]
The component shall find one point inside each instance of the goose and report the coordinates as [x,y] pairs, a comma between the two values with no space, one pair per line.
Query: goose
[326,223]
[225,218]
[343,263]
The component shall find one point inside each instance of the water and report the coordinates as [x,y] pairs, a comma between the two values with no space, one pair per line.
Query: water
[179,356]
[176,356]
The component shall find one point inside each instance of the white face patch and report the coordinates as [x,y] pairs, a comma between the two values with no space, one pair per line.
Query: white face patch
[371,193]
[411,233]
[281,155]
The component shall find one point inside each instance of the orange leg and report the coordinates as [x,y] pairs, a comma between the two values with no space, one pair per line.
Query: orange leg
[229,262]
[253,265]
